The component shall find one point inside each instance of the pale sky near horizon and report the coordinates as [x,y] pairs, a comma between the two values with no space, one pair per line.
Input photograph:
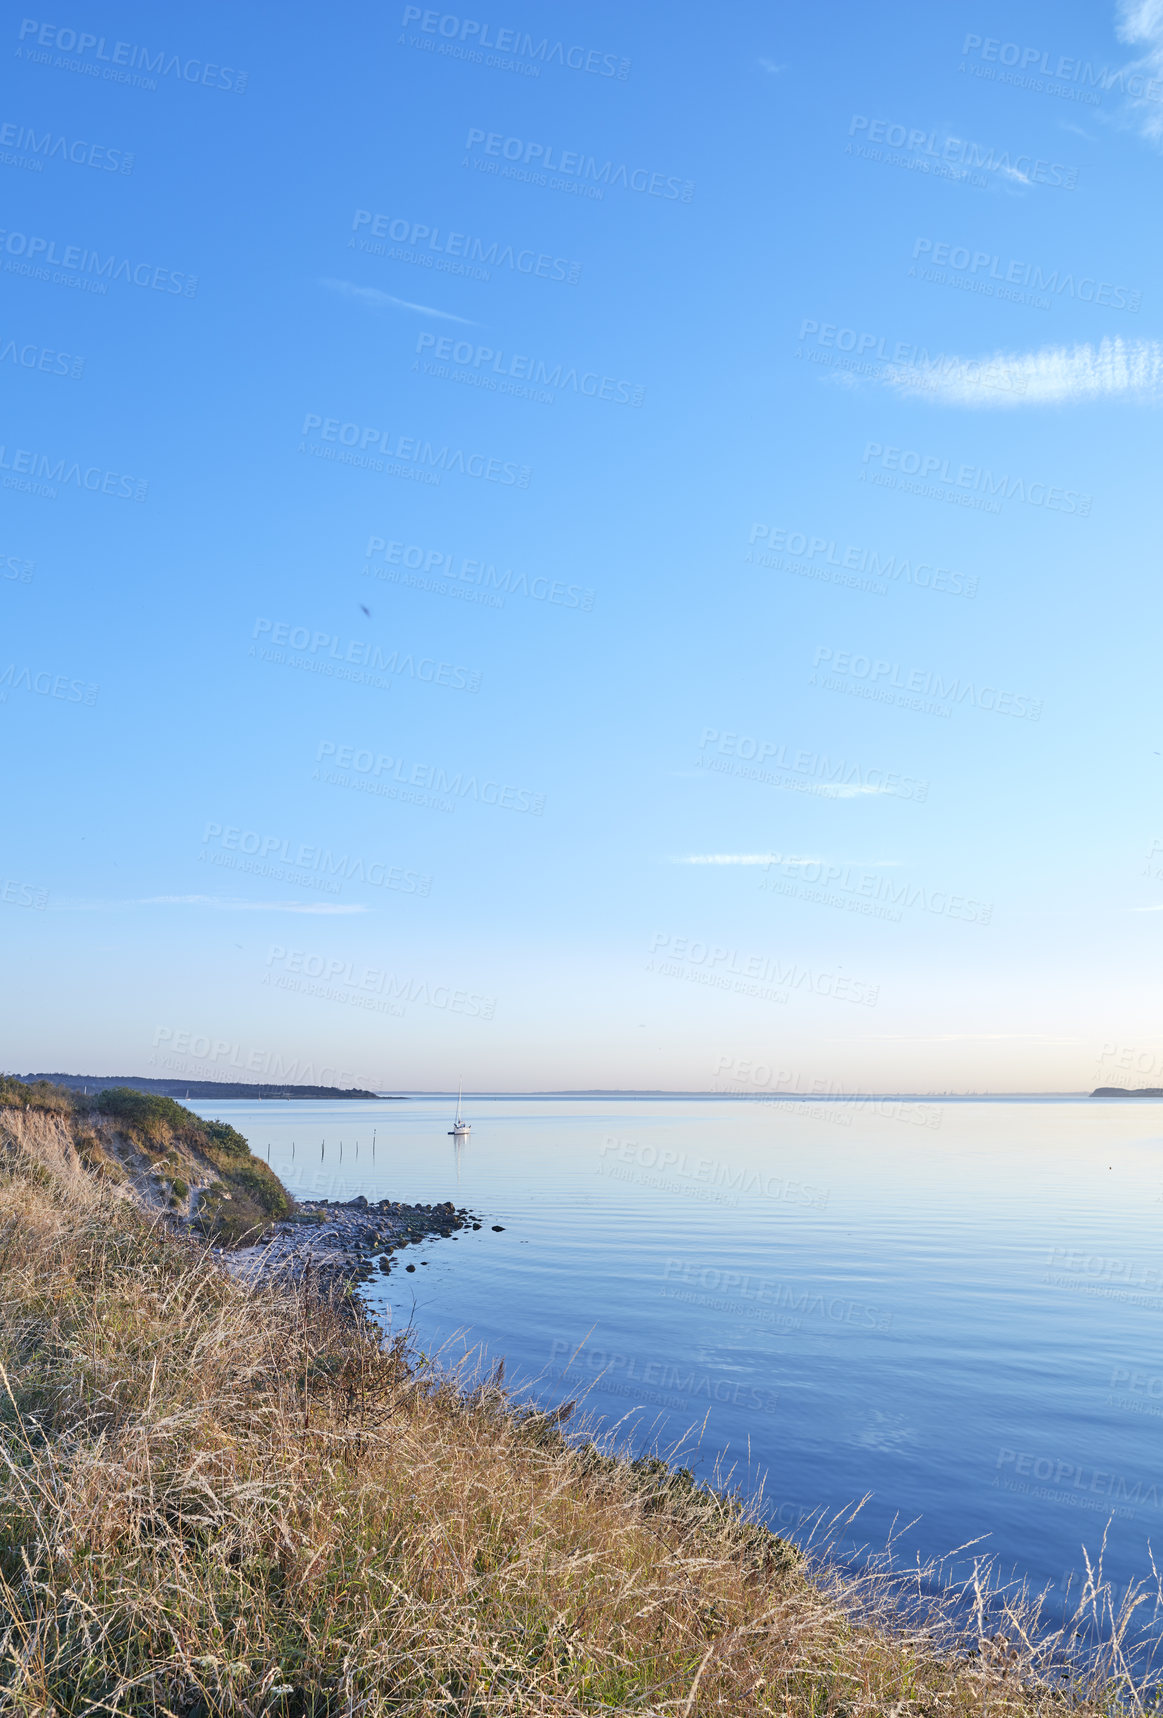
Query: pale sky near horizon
[584,547]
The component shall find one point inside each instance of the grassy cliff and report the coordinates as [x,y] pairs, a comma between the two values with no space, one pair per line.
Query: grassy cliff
[163,1155]
[221,1501]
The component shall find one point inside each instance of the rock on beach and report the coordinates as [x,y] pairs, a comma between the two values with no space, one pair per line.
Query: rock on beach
[337,1245]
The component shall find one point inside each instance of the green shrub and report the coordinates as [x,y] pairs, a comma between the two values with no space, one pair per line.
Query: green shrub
[247,1199]
[149,1119]
[222,1137]
[141,1109]
[34,1095]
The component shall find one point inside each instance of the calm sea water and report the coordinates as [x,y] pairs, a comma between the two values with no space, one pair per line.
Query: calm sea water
[955,1307]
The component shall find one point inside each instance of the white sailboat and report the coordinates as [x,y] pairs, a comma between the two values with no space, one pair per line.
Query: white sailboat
[460,1128]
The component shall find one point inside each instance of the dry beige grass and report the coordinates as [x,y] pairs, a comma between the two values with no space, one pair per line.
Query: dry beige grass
[217,1501]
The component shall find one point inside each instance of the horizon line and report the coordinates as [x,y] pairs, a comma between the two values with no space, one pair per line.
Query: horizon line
[620,1091]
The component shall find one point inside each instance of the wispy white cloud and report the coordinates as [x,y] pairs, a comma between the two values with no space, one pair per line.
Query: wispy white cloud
[229,904]
[738,859]
[371,295]
[217,903]
[972,1038]
[840,379]
[1057,375]
[771,67]
[1140,22]
[776,859]
[821,790]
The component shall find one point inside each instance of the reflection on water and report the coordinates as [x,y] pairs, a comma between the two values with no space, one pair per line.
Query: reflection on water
[962,1319]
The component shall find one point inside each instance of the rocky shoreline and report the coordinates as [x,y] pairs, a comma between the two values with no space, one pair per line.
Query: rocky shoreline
[337,1245]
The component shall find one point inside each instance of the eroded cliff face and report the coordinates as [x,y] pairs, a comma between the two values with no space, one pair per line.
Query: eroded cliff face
[152,1151]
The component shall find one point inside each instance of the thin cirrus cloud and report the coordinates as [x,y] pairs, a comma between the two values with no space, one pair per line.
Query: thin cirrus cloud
[216,903]
[371,295]
[228,904]
[775,859]
[821,790]
[1140,22]
[972,1038]
[739,859]
[1057,375]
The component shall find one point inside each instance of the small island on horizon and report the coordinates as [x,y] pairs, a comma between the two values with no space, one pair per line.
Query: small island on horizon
[1127,1092]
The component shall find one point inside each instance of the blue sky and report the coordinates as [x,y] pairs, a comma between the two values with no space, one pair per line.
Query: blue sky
[586,549]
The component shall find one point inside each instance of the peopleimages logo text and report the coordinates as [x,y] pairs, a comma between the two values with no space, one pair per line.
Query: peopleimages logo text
[851,558]
[620,1374]
[15,894]
[375,981]
[710,1171]
[217,1052]
[36,473]
[130,55]
[831,778]
[989,266]
[575,164]
[881,673]
[46,685]
[364,654]
[522,367]
[1067,68]
[276,850]
[373,766]
[960,152]
[979,479]
[76,259]
[418,237]
[45,358]
[862,352]
[727,963]
[505,41]
[54,147]
[434,564]
[361,444]
[1076,1476]
[874,886]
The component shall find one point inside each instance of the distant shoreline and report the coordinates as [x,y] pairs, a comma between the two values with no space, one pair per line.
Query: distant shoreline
[645,1094]
[239,1089]
[198,1088]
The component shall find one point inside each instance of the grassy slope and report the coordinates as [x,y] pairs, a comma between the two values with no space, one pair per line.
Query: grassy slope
[162,1153]
[217,1501]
